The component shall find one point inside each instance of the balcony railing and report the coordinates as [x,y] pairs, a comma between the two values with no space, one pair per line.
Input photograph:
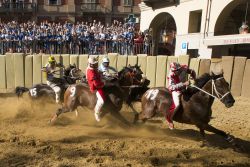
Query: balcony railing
[157,2]
[18,7]
[93,7]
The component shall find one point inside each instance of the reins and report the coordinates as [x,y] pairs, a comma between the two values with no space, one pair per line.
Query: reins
[214,89]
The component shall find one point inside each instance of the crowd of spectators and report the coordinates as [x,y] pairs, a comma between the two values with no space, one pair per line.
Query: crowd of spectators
[80,38]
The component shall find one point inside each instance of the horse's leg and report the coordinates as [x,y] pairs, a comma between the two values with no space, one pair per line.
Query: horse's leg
[204,141]
[76,111]
[59,111]
[148,111]
[227,137]
[135,113]
[118,115]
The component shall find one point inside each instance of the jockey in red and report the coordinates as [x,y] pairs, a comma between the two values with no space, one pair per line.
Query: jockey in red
[95,85]
[175,86]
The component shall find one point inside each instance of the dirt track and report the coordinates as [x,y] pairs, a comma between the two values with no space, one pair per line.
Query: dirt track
[26,139]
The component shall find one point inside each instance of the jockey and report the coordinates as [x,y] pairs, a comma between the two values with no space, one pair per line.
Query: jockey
[175,86]
[95,84]
[52,81]
[107,70]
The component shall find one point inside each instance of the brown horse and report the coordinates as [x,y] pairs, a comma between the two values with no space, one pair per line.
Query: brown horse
[116,91]
[196,103]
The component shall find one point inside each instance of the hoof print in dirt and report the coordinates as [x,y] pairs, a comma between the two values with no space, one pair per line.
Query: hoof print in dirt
[155,161]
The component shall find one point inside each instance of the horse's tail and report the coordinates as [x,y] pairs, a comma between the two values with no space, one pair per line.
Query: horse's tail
[20,90]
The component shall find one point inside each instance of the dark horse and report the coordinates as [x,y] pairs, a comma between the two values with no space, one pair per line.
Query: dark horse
[116,91]
[196,103]
[38,91]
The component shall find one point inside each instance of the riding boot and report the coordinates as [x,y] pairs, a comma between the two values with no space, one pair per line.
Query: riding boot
[169,118]
[97,115]
[175,110]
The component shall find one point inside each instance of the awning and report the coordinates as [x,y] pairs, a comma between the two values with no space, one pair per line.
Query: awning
[227,40]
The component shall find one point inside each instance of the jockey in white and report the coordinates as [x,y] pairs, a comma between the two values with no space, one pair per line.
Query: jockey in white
[175,86]
[107,70]
[50,69]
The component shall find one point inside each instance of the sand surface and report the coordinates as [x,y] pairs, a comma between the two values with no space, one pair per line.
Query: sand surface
[26,138]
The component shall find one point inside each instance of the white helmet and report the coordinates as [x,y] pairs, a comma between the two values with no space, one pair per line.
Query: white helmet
[92,60]
[105,60]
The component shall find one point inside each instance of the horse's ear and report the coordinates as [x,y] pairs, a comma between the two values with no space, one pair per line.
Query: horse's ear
[222,71]
[212,74]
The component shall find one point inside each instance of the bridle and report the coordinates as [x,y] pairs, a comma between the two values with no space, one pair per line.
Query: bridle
[215,93]
[133,78]
[72,71]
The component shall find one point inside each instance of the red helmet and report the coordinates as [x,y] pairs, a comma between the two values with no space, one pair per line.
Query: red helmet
[174,66]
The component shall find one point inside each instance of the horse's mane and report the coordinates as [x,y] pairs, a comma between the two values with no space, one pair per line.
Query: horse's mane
[200,82]
[125,70]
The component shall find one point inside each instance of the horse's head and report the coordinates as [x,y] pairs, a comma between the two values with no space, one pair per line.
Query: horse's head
[130,75]
[220,89]
[73,72]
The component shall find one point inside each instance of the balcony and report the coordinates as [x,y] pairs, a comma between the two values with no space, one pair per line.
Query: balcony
[158,3]
[92,7]
[126,9]
[18,7]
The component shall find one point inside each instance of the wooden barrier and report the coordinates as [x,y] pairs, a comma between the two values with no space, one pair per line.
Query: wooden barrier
[10,72]
[204,66]
[83,62]
[161,71]
[74,59]
[142,62]
[37,65]
[65,59]
[151,70]
[227,67]
[237,78]
[246,81]
[195,64]
[19,69]
[113,59]
[132,60]
[121,62]
[28,74]
[216,66]
[2,74]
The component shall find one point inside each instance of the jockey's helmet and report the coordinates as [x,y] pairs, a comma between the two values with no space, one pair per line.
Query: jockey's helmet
[51,59]
[105,60]
[92,60]
[174,66]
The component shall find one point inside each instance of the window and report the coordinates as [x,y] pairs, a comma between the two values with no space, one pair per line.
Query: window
[54,2]
[127,2]
[89,1]
[195,21]
[90,4]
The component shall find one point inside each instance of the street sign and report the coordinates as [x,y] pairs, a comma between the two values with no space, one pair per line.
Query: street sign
[131,18]
[184,47]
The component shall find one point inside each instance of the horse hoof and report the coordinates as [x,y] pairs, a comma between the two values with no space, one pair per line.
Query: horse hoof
[204,144]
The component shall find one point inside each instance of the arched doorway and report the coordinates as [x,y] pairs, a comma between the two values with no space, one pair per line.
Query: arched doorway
[163,29]
[230,22]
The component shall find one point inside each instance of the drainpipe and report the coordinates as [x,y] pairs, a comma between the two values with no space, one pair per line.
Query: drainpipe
[206,20]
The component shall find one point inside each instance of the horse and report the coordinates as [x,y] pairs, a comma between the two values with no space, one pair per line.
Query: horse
[196,102]
[41,91]
[116,92]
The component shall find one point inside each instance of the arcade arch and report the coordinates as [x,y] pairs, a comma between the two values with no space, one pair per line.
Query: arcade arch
[163,28]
